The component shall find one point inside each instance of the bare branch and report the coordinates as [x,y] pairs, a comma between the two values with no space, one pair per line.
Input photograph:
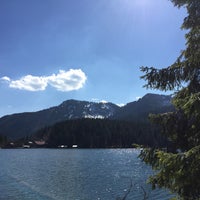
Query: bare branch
[145,193]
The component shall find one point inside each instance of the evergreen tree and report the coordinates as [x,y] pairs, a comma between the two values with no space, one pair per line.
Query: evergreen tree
[179,166]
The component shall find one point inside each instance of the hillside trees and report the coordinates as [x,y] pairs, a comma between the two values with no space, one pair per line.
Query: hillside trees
[99,133]
[3,141]
[179,167]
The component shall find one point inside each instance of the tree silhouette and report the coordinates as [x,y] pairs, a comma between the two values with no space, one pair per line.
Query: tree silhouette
[179,166]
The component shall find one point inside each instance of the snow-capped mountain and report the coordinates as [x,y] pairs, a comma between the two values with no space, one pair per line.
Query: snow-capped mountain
[24,124]
[73,109]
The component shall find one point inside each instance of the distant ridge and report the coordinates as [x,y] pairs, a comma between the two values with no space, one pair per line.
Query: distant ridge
[24,124]
[150,103]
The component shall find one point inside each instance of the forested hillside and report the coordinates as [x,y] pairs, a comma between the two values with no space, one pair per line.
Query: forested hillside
[99,133]
[25,124]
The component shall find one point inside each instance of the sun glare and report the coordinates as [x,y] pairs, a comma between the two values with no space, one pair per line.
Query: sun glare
[140,3]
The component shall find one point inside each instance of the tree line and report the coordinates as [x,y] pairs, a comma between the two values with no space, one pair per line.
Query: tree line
[100,133]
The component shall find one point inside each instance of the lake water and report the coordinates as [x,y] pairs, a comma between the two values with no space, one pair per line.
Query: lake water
[74,174]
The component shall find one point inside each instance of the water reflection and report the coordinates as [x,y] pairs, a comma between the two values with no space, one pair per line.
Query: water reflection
[74,174]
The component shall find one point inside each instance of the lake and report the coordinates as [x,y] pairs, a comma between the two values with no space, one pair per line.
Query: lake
[74,174]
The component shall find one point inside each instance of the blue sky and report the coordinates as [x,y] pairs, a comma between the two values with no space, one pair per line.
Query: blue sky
[54,50]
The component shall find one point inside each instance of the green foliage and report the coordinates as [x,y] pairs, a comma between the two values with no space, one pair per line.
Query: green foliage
[3,141]
[179,172]
[99,133]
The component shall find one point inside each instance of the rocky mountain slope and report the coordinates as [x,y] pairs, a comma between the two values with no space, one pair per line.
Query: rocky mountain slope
[24,124]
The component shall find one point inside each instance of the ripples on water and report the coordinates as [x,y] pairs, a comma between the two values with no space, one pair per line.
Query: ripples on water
[74,174]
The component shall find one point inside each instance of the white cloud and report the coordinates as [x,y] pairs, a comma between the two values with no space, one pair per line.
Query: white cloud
[137,98]
[5,78]
[30,83]
[73,79]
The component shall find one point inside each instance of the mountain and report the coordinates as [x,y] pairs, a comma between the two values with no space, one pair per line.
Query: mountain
[139,110]
[24,124]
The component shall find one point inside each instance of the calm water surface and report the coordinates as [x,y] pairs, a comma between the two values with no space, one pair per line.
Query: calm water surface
[74,174]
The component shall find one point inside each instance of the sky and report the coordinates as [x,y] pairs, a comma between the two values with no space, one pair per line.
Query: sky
[55,50]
